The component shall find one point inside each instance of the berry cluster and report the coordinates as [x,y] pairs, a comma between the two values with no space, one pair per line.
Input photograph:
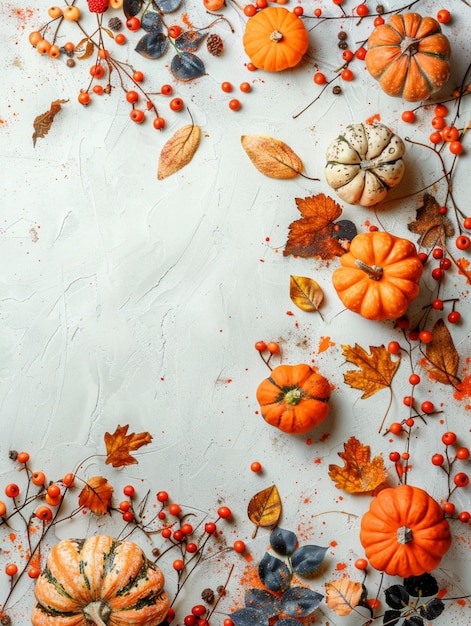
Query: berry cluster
[446,462]
[272,347]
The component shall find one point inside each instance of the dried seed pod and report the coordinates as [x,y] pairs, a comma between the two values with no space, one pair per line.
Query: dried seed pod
[215,45]
[70,63]
[115,23]
[207,595]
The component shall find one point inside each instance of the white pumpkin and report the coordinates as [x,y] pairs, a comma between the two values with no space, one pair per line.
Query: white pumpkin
[364,162]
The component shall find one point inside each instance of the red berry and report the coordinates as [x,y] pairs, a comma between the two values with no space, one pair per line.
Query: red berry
[199,610]
[463,242]
[256,467]
[394,347]
[166,90]
[427,406]
[44,513]
[125,505]
[260,346]
[234,104]
[128,490]
[405,456]
[161,515]
[438,122]
[98,6]
[210,527]
[226,86]
[462,454]
[178,565]
[138,76]
[250,10]
[395,428]
[178,535]
[319,78]
[437,304]
[317,13]
[175,31]
[273,347]
[408,400]
[408,117]
[298,11]
[441,110]
[409,422]
[132,96]
[464,517]
[120,39]
[449,438]
[456,147]
[362,10]
[423,257]
[186,529]
[38,478]
[159,123]
[425,336]
[361,53]
[347,55]
[402,323]
[467,223]
[437,273]
[443,16]
[137,116]
[191,547]
[224,512]
[23,457]
[373,603]
[133,23]
[414,379]
[413,335]
[378,21]
[34,572]
[394,457]
[228,622]
[245,87]
[11,569]
[461,479]
[449,507]
[128,516]
[445,264]
[435,137]
[174,509]
[176,104]
[454,317]
[347,75]
[239,546]
[361,564]
[162,496]
[12,490]
[166,533]
[189,620]
[438,459]
[450,133]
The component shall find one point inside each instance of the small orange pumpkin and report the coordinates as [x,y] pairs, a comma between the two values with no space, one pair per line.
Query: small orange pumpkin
[294,398]
[409,56]
[100,581]
[404,533]
[379,275]
[275,39]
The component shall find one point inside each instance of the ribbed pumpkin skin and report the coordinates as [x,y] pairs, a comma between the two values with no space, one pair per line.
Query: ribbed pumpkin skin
[389,296]
[409,56]
[262,47]
[100,570]
[413,508]
[294,398]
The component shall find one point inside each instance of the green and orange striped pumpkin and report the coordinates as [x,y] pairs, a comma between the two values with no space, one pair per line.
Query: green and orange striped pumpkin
[101,581]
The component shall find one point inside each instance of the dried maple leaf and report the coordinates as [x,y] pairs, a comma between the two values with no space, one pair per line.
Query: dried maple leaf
[272,157]
[120,444]
[376,371]
[264,508]
[343,595]
[42,123]
[360,473]
[305,293]
[314,233]
[430,224]
[179,150]
[442,356]
[96,495]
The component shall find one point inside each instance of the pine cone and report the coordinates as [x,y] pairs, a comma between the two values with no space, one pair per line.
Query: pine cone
[115,23]
[207,595]
[215,45]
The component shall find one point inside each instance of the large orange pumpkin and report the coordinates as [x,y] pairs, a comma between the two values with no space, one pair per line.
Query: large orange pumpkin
[379,275]
[404,533]
[275,39]
[100,581]
[409,56]
[294,398]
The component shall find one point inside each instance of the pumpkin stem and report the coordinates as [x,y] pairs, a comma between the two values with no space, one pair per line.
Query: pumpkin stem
[404,535]
[374,271]
[293,396]
[410,46]
[276,36]
[97,613]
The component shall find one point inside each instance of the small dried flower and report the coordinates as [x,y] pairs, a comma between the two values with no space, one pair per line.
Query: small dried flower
[70,63]
[207,595]
[13,455]
[221,590]
[337,90]
[115,23]
[380,9]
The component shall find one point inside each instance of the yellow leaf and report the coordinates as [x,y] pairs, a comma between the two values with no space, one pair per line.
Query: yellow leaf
[119,445]
[89,49]
[442,357]
[179,150]
[376,371]
[264,508]
[360,473]
[305,293]
[343,595]
[271,156]
[96,495]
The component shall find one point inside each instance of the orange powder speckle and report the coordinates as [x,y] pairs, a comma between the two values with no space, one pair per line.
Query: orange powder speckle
[318,461]
[374,118]
[334,544]
[324,344]
[12,537]
[248,558]
[464,390]
[340,566]
[309,442]
[462,602]
[324,437]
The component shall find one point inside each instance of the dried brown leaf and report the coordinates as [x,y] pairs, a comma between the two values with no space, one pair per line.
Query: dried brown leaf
[120,444]
[360,473]
[264,508]
[305,293]
[179,150]
[442,356]
[271,156]
[376,369]
[430,224]
[96,495]
[89,49]
[42,123]
[314,234]
[343,595]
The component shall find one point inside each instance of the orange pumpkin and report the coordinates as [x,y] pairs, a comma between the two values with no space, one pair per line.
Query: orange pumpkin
[275,39]
[294,398]
[409,56]
[379,275]
[100,581]
[404,533]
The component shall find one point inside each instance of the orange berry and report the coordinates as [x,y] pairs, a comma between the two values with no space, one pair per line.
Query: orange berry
[34,38]
[84,98]
[54,490]
[34,572]
[23,457]
[53,501]
[38,478]
[120,39]
[137,115]
[72,13]
[54,52]
[44,513]
[43,46]
[54,12]
[68,479]
[11,569]
[69,46]
[3,508]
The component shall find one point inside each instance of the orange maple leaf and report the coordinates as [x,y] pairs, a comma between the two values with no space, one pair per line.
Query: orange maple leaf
[314,233]
[360,473]
[119,445]
[96,495]
[376,371]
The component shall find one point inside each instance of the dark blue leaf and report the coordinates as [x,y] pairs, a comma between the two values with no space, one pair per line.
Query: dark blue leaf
[300,602]
[167,6]
[132,7]
[287,621]
[413,620]
[432,609]
[152,45]
[396,596]
[263,601]
[307,559]
[274,574]
[187,66]
[391,618]
[189,41]
[151,22]
[424,585]
[283,541]
[345,229]
[248,617]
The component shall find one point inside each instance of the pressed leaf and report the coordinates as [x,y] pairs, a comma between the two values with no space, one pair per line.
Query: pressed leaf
[376,369]
[430,224]
[283,541]
[89,50]
[263,601]
[305,293]
[432,609]
[168,6]
[360,473]
[300,601]
[391,617]
[42,123]
[187,66]
[287,621]
[307,559]
[421,586]
[189,41]
[132,7]
[152,22]
[343,595]
[272,157]
[179,150]
[249,617]
[264,508]
[442,356]
[152,45]
[96,495]
[274,574]
[314,234]
[119,445]
[396,596]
